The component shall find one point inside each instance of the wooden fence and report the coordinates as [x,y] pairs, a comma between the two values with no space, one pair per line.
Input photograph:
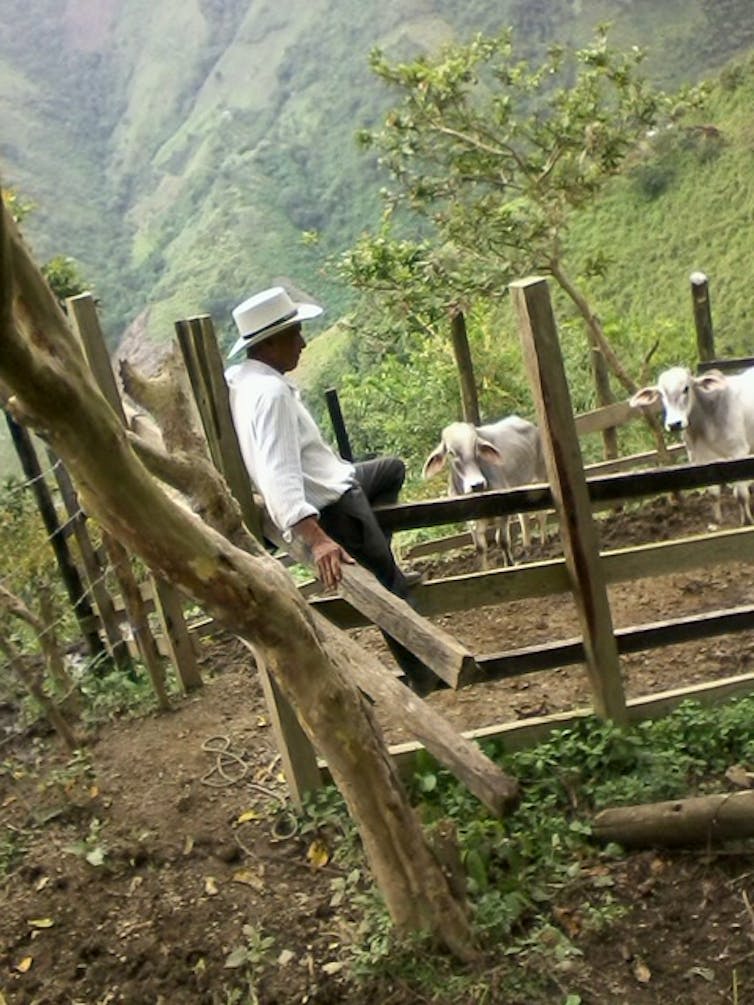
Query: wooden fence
[601,485]
[575,493]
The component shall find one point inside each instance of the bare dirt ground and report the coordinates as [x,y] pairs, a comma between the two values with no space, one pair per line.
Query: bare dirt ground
[141,877]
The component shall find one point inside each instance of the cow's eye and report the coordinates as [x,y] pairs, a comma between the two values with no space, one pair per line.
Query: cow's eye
[685,390]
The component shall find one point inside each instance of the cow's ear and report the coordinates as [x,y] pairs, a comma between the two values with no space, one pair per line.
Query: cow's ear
[645,398]
[712,380]
[488,452]
[435,462]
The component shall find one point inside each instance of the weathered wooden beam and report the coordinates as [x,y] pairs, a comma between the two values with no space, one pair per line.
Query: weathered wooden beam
[603,489]
[463,539]
[606,417]
[652,635]
[465,367]
[431,644]
[700,302]
[682,555]
[85,323]
[726,365]
[180,642]
[297,755]
[565,471]
[204,366]
[646,459]
[497,790]
[451,661]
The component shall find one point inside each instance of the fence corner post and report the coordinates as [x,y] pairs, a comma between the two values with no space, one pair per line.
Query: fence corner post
[544,362]
[705,337]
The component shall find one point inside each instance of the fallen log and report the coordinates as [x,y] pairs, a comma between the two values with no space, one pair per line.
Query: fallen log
[702,820]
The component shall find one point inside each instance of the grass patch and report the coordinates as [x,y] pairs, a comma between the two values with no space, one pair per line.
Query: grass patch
[520,868]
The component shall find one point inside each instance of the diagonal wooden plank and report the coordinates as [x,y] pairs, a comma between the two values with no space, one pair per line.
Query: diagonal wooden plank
[497,790]
[451,661]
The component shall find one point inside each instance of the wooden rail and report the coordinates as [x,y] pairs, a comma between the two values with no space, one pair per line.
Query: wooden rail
[603,489]
[542,579]
[652,635]
[726,365]
[525,733]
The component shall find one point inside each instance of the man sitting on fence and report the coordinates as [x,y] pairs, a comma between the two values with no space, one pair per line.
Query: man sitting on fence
[309,491]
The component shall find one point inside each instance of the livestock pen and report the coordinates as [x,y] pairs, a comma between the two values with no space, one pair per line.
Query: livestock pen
[584,572]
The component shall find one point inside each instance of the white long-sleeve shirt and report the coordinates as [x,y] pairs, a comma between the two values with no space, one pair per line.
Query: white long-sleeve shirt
[297,473]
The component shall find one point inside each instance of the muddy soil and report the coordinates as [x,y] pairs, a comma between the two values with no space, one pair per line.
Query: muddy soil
[139,880]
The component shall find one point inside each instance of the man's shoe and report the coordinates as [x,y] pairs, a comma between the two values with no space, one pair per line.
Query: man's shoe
[414,576]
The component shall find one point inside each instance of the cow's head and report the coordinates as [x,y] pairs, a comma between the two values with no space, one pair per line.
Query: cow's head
[463,449]
[676,389]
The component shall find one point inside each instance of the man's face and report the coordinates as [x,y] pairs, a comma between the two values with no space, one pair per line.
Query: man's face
[282,351]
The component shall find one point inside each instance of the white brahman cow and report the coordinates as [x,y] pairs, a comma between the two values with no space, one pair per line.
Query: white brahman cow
[715,414]
[500,455]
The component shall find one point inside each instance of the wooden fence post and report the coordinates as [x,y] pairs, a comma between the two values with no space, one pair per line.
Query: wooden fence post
[544,362]
[84,320]
[204,364]
[77,594]
[338,424]
[604,397]
[93,569]
[465,367]
[705,338]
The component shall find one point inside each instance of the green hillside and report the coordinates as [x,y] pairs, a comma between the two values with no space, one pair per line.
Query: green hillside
[178,151]
[683,204]
[687,207]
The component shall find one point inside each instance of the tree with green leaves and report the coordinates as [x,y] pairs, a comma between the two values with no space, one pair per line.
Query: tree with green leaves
[494,157]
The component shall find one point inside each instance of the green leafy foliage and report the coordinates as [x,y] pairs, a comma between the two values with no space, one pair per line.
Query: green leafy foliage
[115,694]
[179,181]
[517,869]
[64,277]
[499,152]
[23,539]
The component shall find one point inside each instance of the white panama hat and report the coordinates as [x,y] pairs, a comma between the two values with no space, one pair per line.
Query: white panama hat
[266,313]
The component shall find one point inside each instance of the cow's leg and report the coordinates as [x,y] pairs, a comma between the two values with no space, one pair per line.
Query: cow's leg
[478,530]
[542,521]
[742,494]
[525,525]
[717,509]
[504,539]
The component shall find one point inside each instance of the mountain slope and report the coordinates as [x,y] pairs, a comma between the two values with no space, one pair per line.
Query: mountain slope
[179,150]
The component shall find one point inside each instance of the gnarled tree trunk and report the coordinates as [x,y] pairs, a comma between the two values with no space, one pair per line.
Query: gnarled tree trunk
[52,389]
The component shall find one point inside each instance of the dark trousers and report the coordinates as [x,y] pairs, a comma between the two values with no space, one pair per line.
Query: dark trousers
[352,523]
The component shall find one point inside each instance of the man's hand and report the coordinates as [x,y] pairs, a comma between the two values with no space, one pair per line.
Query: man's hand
[329,557]
[327,554]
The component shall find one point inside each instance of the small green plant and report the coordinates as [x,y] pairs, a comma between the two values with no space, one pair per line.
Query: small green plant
[250,957]
[12,851]
[92,847]
[116,694]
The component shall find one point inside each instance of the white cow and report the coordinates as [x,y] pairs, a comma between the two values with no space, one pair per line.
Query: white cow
[500,455]
[715,413]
